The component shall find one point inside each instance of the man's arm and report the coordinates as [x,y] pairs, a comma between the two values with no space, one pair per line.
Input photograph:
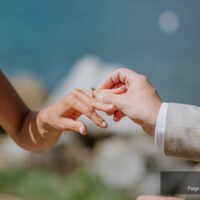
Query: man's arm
[182,134]
[176,126]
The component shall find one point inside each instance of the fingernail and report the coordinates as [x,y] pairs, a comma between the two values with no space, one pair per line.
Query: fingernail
[116,119]
[111,106]
[104,124]
[81,130]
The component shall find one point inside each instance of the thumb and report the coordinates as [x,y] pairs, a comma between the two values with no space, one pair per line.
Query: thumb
[110,98]
[118,90]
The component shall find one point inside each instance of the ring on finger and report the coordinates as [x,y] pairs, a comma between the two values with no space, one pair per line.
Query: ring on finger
[92,92]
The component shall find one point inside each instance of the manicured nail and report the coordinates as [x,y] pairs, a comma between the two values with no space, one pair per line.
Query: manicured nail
[104,124]
[116,119]
[111,106]
[81,130]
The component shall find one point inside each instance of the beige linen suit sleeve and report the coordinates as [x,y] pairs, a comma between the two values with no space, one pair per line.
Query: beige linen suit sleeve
[182,136]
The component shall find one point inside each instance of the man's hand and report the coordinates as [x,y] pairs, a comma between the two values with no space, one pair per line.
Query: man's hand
[140,102]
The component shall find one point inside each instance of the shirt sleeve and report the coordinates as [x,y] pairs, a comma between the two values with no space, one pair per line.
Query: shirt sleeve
[161,125]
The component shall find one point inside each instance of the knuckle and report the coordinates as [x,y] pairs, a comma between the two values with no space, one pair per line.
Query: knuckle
[122,69]
[70,96]
[78,90]
[143,78]
[126,70]
[75,91]
[89,109]
[93,103]
[69,99]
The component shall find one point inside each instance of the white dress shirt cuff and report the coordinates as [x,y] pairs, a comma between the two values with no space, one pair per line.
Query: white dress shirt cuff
[160,126]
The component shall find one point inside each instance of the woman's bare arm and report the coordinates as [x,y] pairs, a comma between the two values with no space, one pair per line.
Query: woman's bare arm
[20,122]
[36,131]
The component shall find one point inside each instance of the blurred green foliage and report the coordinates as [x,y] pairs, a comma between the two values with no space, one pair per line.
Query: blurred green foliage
[1,130]
[40,184]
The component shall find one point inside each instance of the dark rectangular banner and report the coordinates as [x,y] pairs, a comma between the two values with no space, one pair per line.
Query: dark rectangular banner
[172,183]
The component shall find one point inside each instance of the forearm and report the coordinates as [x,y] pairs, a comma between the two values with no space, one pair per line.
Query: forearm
[39,131]
[31,136]
[20,122]
[182,131]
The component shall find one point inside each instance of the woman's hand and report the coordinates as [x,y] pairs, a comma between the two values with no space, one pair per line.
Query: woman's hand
[37,131]
[62,115]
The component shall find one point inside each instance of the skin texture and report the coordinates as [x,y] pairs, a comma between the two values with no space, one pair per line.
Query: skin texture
[140,102]
[37,131]
[157,198]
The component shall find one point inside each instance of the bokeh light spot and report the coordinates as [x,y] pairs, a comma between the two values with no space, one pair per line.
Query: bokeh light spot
[169,22]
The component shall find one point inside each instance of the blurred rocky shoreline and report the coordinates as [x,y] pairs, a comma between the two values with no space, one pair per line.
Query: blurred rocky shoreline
[123,155]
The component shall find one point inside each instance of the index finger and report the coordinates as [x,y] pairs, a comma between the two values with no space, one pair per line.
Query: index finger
[115,90]
[121,76]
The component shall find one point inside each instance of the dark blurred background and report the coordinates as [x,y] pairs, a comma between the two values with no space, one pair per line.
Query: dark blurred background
[158,38]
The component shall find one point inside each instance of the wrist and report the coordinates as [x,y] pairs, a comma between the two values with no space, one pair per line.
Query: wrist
[43,124]
[150,125]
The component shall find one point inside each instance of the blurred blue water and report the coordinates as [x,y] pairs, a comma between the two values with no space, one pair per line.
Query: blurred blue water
[47,37]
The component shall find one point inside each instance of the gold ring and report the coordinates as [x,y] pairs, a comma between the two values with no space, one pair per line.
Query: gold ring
[92,90]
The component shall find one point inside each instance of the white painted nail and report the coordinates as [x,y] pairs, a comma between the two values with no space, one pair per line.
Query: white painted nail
[111,106]
[81,130]
[116,119]
[104,124]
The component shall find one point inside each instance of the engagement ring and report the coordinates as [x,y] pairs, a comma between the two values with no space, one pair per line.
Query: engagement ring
[92,91]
